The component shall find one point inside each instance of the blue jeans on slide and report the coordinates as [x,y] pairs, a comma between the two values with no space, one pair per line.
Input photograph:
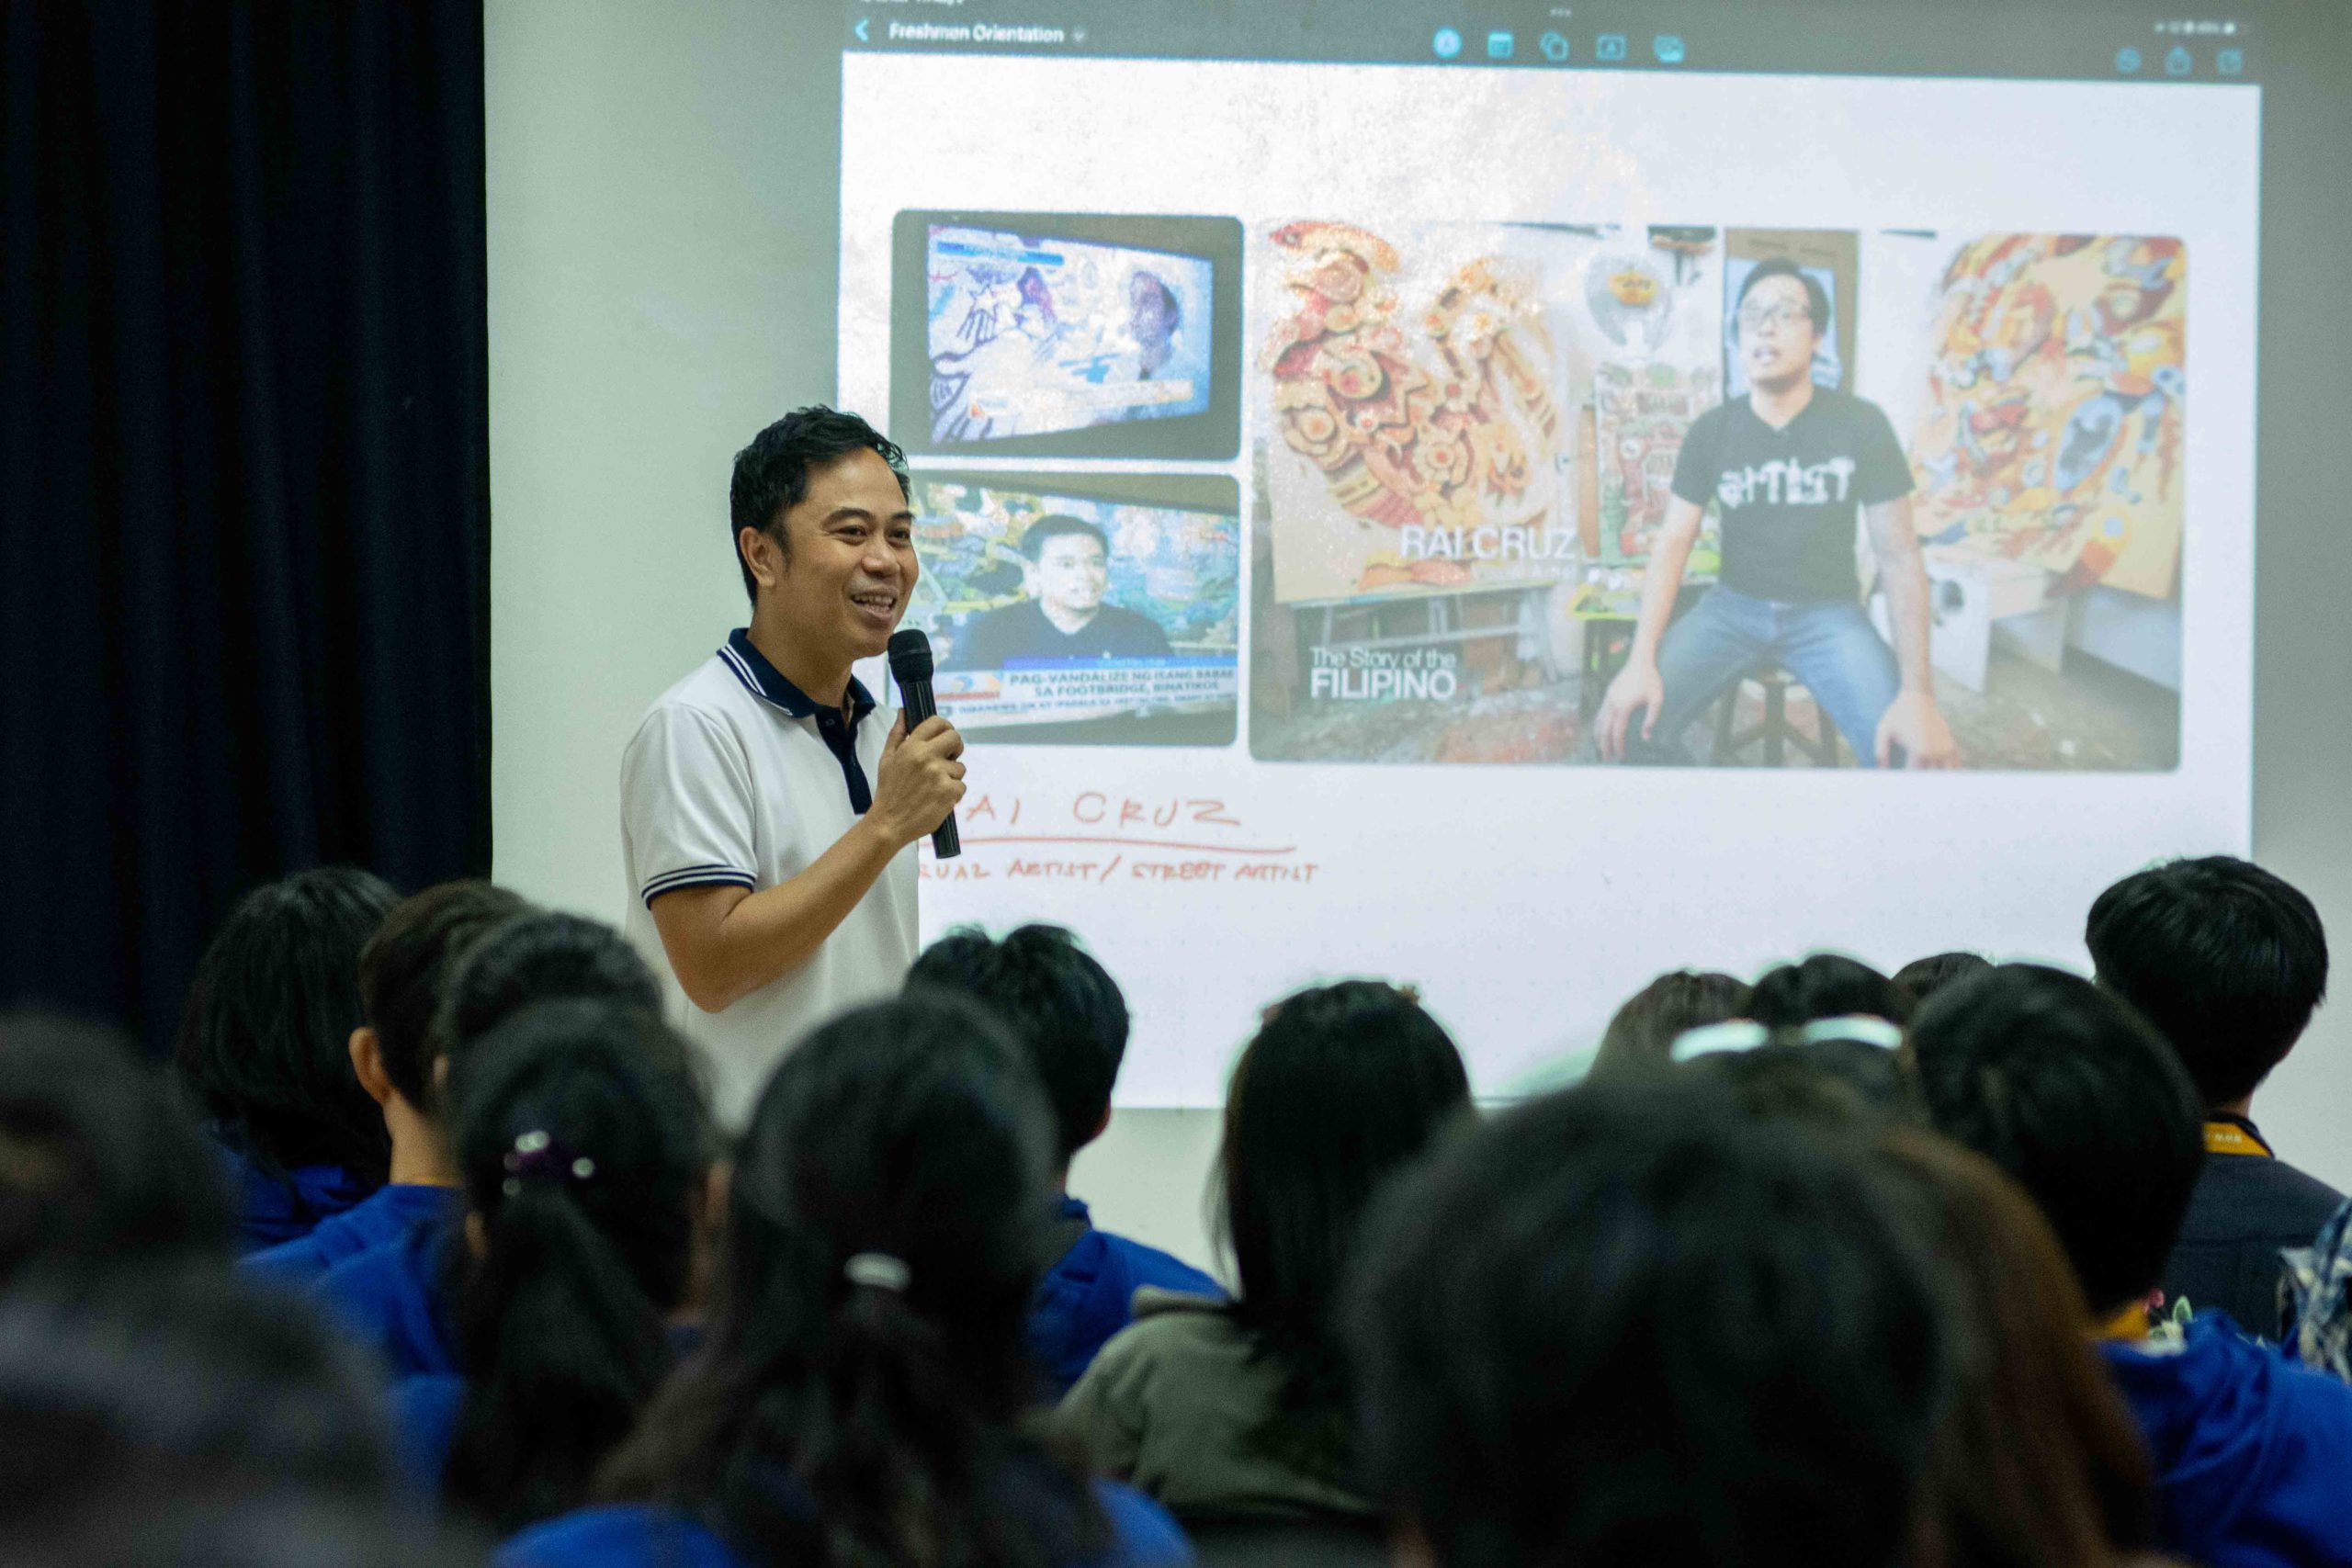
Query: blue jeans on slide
[1830,647]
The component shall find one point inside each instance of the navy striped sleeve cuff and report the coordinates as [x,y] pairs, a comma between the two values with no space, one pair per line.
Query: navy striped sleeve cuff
[694,876]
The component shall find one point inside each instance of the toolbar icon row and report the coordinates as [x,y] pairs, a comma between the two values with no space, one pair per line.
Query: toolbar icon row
[1667,49]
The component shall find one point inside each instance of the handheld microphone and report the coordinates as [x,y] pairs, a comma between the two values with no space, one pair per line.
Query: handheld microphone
[910,667]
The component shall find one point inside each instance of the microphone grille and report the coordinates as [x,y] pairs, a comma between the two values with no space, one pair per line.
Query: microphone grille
[909,654]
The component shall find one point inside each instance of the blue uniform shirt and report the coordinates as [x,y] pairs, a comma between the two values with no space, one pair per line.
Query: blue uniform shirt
[643,1535]
[273,1210]
[1090,1294]
[2253,1452]
[386,1214]
[392,1299]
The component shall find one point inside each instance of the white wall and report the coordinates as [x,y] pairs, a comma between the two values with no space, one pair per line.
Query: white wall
[647,214]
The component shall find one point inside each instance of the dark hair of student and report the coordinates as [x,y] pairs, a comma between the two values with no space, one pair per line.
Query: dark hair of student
[131,1526]
[859,1393]
[581,1136]
[406,966]
[178,1377]
[101,1160]
[1642,1034]
[772,474]
[2226,960]
[1830,1083]
[1827,985]
[1059,525]
[1922,978]
[1817,298]
[265,1038]
[2039,1461]
[1629,1324]
[2078,1098]
[1056,1001]
[541,957]
[1343,1086]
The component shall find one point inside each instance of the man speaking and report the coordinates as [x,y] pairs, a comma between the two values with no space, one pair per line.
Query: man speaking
[769,812]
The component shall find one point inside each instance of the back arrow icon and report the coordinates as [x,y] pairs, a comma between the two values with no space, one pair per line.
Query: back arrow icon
[861,29]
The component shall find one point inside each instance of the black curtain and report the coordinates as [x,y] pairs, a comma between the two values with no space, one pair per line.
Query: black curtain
[244,471]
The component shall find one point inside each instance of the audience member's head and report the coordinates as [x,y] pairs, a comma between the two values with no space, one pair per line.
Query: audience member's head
[2074,1095]
[582,1139]
[1923,978]
[1642,1033]
[149,1388]
[2226,960]
[2039,1461]
[1827,985]
[266,1040]
[1628,1325]
[540,958]
[1828,1081]
[1056,1001]
[404,972]
[888,1221]
[1342,1086]
[102,1161]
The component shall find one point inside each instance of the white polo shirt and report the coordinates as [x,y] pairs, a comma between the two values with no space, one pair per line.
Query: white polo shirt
[737,776]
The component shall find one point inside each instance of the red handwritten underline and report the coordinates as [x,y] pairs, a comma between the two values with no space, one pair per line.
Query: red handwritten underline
[1132,843]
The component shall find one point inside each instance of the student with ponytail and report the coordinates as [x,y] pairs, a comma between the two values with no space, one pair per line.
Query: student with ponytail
[859,1395]
[393,1297]
[584,1153]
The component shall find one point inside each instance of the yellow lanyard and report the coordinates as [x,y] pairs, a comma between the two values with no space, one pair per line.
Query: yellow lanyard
[2128,1325]
[2230,1138]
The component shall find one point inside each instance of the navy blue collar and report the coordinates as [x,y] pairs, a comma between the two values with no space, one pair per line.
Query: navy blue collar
[752,668]
[767,682]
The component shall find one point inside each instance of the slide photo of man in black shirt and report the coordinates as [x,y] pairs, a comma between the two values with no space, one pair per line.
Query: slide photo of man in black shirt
[1064,619]
[1787,466]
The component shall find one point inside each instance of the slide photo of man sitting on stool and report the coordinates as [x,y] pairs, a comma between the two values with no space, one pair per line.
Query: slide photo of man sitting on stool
[1787,466]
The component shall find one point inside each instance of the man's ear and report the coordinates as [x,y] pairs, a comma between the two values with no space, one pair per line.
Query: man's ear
[1101,1124]
[762,554]
[368,1064]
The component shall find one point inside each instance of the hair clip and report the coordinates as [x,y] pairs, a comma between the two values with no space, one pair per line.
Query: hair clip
[879,1269]
[537,1156]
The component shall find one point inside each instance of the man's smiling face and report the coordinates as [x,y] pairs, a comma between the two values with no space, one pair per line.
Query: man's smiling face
[849,563]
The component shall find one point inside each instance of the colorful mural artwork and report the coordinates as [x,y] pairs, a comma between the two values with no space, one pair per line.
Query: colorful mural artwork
[2052,432]
[1416,393]
[1642,413]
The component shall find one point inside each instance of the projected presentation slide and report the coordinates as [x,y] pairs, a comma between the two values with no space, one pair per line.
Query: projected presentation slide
[1082,610]
[1065,335]
[1903,360]
[1473,434]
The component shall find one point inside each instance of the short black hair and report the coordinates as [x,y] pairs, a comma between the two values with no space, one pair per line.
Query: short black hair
[541,957]
[1832,1082]
[1628,1325]
[1641,1033]
[1058,526]
[772,474]
[1817,298]
[2068,1089]
[264,1041]
[101,1159]
[1827,985]
[1925,976]
[1056,1001]
[2227,960]
[406,966]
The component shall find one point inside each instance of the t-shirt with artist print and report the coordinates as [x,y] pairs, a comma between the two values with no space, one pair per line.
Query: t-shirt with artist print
[1789,498]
